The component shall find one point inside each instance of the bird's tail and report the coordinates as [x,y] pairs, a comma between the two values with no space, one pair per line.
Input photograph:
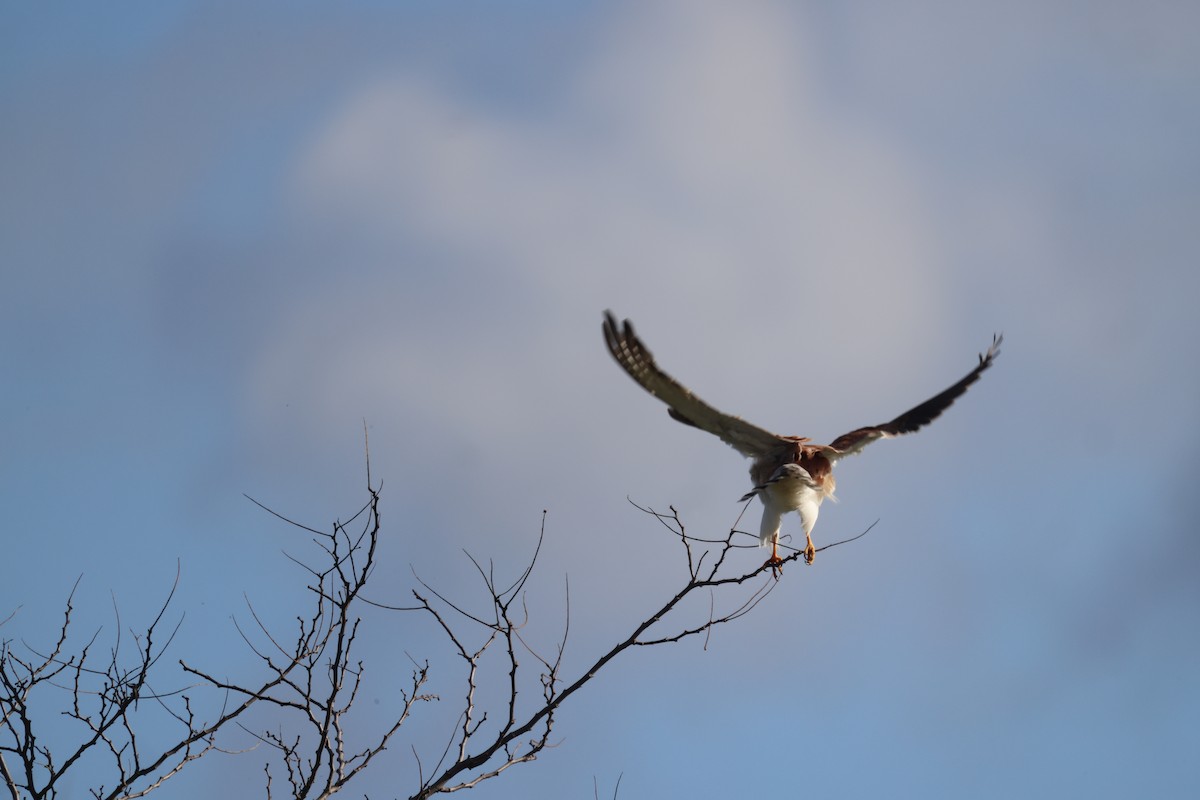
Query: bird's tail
[753,493]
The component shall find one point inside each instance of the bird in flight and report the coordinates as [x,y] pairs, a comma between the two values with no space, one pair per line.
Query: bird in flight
[789,473]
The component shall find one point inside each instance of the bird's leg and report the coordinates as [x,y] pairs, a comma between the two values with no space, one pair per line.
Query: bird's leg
[775,562]
[810,552]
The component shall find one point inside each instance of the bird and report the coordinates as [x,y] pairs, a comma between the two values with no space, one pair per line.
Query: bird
[789,473]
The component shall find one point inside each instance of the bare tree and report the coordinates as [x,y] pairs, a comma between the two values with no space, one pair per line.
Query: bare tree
[312,677]
[109,697]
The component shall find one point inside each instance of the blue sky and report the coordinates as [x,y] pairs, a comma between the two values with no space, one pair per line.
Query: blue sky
[231,232]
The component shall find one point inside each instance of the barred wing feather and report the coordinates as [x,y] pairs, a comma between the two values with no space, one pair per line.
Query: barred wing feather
[682,405]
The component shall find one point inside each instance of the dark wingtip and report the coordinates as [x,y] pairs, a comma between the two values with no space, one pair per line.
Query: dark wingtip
[610,323]
[619,335]
[612,333]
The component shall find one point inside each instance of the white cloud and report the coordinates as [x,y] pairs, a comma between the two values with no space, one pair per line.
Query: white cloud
[691,178]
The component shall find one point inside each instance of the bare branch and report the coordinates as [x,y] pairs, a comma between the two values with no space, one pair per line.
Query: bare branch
[508,745]
[510,687]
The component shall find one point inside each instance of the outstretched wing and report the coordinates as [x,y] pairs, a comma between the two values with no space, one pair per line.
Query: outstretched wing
[915,418]
[634,358]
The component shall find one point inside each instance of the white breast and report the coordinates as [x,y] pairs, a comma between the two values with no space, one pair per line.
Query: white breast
[791,488]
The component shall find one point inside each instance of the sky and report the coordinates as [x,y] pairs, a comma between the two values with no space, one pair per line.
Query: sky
[230,233]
